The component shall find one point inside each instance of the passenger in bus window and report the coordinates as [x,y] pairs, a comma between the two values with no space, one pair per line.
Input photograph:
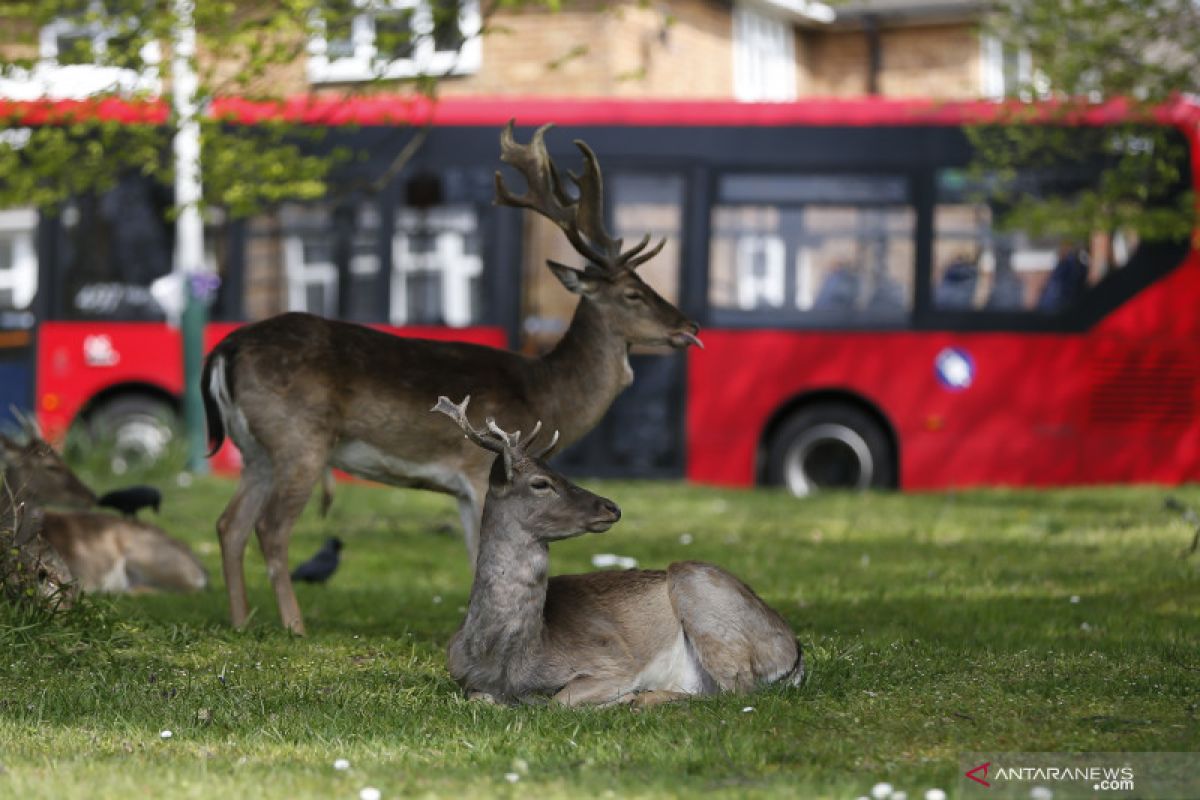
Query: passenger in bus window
[956,289]
[839,291]
[1067,281]
[1008,292]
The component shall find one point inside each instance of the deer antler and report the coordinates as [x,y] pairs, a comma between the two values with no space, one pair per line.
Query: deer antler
[582,220]
[494,438]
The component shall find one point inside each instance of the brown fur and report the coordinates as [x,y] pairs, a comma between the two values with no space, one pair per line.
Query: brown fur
[99,551]
[297,394]
[644,636]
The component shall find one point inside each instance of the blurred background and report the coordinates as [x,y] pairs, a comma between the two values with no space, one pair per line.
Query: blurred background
[930,244]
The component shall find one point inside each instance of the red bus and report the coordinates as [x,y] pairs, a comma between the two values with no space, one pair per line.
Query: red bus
[868,320]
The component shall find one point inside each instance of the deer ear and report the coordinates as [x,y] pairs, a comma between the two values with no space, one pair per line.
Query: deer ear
[582,282]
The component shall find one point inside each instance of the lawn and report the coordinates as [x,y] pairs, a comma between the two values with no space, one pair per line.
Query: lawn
[933,625]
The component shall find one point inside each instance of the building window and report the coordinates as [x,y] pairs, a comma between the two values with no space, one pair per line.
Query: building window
[395,39]
[764,56]
[77,58]
[1006,71]
[18,258]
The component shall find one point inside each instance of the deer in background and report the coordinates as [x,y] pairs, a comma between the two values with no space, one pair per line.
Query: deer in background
[296,392]
[639,636]
[103,552]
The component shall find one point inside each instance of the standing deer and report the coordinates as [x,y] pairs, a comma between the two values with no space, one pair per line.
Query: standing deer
[103,552]
[297,393]
[640,636]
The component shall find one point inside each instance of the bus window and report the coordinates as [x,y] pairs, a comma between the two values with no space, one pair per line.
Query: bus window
[18,258]
[307,237]
[812,248]
[641,204]
[979,266]
[437,267]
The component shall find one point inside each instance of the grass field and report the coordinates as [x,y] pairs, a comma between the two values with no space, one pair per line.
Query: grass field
[933,625]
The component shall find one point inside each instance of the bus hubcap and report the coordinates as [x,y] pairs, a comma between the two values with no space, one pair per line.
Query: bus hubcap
[828,456]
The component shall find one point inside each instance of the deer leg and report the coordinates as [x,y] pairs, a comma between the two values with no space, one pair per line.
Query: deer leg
[656,698]
[470,511]
[739,640]
[274,530]
[233,531]
[591,691]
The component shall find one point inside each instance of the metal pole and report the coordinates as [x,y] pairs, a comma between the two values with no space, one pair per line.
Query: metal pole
[189,228]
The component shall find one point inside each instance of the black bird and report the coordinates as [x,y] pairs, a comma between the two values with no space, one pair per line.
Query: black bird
[320,567]
[132,499]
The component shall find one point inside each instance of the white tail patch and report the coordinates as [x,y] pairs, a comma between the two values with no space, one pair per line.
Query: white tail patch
[232,417]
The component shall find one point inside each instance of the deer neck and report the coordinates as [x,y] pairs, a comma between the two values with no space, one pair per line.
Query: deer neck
[504,616]
[584,373]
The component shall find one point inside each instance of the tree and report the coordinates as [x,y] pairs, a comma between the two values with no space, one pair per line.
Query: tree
[144,46]
[1139,54]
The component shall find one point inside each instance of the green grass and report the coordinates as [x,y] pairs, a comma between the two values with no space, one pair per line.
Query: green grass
[933,625]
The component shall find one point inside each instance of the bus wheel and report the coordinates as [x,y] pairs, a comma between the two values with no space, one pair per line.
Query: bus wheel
[830,446]
[139,429]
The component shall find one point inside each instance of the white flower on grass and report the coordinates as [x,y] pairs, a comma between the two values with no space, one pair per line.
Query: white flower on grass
[369,793]
[341,765]
[881,791]
[935,794]
[1041,793]
[685,538]
[512,777]
[1083,627]
[165,735]
[1074,598]
[437,599]
[747,709]
[899,796]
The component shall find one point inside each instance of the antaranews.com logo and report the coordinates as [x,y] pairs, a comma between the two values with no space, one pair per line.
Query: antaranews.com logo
[1062,776]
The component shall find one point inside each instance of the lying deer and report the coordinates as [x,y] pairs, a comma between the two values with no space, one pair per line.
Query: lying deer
[34,563]
[640,636]
[104,552]
[297,393]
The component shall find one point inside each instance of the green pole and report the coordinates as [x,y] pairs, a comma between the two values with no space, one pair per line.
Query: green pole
[195,316]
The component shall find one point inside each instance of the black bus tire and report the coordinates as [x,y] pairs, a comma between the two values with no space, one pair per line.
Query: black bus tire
[139,427]
[830,446]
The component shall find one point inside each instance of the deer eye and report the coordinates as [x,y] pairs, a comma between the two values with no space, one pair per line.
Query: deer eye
[540,484]
[633,295]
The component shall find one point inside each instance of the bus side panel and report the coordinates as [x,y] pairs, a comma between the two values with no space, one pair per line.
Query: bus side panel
[76,361]
[1018,421]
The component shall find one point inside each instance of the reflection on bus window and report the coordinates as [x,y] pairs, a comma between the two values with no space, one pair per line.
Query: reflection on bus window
[642,204]
[437,267]
[308,245]
[819,246]
[437,263]
[115,246]
[978,266]
[18,258]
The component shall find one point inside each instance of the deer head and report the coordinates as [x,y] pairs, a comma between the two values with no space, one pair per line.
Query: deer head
[634,310]
[522,488]
[36,472]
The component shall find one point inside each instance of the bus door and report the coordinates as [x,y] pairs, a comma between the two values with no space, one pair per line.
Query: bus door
[642,435]
[18,287]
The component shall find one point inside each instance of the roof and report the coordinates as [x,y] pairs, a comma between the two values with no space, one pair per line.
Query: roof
[491,111]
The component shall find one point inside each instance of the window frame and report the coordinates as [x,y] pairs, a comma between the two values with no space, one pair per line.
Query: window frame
[816,319]
[756,77]
[427,60]
[50,79]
